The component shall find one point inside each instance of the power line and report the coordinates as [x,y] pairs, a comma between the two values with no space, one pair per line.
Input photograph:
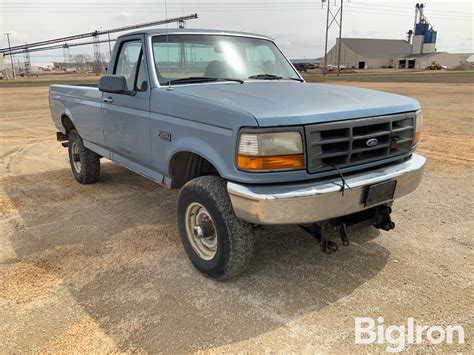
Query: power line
[235,9]
[402,7]
[406,11]
[121,5]
[220,8]
[399,14]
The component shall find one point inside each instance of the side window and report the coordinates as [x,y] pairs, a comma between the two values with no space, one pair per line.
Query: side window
[128,61]
[142,82]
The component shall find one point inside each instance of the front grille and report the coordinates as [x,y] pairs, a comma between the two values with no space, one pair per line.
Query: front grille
[345,143]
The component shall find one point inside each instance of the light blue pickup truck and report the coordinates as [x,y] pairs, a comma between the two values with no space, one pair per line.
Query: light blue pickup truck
[226,118]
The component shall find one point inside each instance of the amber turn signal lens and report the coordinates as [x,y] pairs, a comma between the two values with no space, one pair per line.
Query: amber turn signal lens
[276,162]
[417,137]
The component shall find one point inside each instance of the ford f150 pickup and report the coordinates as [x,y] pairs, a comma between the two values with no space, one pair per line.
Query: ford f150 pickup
[226,118]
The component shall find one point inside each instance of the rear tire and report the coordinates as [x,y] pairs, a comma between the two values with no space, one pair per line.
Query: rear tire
[85,164]
[217,242]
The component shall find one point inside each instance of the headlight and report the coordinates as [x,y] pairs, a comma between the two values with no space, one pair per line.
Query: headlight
[270,151]
[418,127]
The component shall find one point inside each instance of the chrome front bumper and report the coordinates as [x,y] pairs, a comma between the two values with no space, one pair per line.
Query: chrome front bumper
[308,202]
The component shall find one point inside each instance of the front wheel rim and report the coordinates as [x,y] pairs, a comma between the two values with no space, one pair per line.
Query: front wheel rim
[76,157]
[201,231]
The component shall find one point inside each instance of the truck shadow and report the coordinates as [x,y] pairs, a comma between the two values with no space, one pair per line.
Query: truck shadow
[115,246]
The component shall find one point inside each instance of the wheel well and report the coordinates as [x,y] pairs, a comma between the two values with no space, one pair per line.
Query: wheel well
[186,166]
[67,124]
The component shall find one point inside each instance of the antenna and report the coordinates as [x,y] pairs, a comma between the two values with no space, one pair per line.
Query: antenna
[167,41]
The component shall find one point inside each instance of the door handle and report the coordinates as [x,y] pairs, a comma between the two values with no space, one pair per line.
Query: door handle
[108,100]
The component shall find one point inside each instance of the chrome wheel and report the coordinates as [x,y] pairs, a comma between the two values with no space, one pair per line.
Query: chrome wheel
[75,156]
[201,231]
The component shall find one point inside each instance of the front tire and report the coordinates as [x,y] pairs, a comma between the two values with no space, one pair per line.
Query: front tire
[85,164]
[217,242]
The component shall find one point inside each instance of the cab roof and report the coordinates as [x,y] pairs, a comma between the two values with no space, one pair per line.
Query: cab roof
[174,31]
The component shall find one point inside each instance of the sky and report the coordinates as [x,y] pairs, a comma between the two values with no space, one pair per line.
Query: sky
[298,26]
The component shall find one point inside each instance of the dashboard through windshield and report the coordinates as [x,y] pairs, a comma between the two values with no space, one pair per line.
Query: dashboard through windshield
[195,58]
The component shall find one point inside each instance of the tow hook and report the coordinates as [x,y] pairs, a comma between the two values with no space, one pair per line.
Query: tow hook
[326,231]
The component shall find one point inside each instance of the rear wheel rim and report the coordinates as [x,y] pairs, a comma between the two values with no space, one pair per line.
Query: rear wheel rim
[201,231]
[76,162]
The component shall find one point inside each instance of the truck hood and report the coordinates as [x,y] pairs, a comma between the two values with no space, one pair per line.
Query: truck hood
[293,103]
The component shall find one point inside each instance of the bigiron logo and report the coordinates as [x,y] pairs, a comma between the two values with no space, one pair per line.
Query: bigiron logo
[398,336]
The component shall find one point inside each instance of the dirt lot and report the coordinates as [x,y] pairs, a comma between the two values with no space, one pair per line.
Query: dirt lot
[100,267]
[395,75]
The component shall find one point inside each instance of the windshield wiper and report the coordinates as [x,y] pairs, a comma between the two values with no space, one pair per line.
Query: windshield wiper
[231,79]
[201,79]
[266,77]
[296,79]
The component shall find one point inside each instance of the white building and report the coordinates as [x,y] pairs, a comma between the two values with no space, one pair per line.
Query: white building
[372,53]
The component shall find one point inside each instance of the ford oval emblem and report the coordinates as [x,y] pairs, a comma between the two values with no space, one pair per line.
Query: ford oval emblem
[372,142]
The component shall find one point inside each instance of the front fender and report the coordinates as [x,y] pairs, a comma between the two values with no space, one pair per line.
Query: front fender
[199,147]
[183,123]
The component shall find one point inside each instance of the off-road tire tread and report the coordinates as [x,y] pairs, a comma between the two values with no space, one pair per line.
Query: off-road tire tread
[239,238]
[90,161]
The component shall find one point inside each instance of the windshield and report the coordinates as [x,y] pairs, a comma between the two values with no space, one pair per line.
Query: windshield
[193,58]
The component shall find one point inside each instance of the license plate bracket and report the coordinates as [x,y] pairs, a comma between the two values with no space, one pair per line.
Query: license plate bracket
[379,193]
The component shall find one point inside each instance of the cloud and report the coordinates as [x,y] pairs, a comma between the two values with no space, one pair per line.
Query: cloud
[18,36]
[122,17]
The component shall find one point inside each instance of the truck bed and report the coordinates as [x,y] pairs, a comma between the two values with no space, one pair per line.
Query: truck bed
[82,103]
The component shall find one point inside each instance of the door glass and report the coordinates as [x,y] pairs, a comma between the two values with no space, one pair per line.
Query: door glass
[142,84]
[128,61]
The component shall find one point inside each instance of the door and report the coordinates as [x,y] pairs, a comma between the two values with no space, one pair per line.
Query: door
[127,117]
[361,65]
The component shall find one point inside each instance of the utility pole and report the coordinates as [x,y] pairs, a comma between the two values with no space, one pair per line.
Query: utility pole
[340,40]
[326,42]
[65,57]
[27,63]
[182,23]
[97,56]
[110,46]
[331,17]
[11,56]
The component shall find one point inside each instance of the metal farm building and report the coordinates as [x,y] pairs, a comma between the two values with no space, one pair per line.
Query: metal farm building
[417,52]
[369,53]
[365,53]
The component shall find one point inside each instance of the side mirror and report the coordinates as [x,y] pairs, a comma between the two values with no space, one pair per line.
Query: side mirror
[116,84]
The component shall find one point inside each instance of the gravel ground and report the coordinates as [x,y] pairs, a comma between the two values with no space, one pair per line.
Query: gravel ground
[100,267]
